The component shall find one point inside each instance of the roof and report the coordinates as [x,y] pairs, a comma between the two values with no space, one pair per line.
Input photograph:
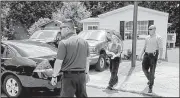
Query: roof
[56,21]
[131,7]
[90,20]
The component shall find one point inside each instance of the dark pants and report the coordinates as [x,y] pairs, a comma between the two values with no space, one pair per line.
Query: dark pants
[114,66]
[73,84]
[149,62]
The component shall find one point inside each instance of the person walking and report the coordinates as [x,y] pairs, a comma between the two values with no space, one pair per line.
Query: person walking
[114,52]
[153,49]
[72,60]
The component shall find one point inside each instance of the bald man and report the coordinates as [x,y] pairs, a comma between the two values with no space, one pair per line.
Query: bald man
[152,51]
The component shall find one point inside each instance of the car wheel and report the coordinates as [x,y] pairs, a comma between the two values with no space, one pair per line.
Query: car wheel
[100,66]
[12,86]
[57,91]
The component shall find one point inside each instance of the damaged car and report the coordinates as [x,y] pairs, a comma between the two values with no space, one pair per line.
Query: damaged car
[27,64]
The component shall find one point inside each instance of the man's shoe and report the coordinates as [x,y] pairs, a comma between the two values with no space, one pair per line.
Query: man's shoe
[150,90]
[148,83]
[109,88]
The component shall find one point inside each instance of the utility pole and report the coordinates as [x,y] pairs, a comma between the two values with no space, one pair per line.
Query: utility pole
[133,62]
[0,55]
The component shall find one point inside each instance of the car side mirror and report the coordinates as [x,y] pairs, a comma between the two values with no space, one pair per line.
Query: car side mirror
[23,61]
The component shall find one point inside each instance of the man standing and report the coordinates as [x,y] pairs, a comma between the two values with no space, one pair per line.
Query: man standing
[72,60]
[152,48]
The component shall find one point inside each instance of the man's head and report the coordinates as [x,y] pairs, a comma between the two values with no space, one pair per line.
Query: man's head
[67,27]
[152,30]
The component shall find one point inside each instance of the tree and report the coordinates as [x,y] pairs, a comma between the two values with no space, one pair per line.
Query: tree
[99,7]
[4,13]
[36,25]
[27,12]
[72,10]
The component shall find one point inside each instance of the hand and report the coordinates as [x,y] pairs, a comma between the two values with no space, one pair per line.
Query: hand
[54,81]
[87,78]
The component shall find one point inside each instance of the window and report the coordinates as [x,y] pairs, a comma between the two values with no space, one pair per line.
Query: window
[169,37]
[142,28]
[92,27]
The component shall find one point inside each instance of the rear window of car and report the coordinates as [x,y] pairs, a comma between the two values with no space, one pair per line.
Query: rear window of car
[43,34]
[30,50]
[98,35]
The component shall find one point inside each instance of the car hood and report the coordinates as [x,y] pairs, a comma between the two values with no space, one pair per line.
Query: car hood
[93,43]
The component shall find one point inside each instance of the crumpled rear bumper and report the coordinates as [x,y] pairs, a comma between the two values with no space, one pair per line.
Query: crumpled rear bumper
[29,81]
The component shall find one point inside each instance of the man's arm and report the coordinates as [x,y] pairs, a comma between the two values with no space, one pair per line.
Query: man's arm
[59,59]
[57,67]
[87,65]
[144,48]
[160,53]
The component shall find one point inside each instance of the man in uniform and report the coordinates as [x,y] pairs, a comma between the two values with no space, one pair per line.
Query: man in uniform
[72,61]
[152,48]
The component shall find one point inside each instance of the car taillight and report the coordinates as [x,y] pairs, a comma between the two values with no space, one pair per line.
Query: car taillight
[92,49]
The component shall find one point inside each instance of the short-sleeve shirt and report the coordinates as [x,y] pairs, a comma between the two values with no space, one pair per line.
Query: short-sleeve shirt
[153,43]
[115,48]
[74,52]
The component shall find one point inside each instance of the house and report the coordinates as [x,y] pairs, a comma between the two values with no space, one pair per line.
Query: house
[121,20]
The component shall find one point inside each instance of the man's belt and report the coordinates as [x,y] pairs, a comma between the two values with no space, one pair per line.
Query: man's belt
[154,53]
[73,72]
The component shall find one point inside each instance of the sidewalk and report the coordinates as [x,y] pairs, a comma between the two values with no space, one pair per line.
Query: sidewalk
[96,92]
[132,80]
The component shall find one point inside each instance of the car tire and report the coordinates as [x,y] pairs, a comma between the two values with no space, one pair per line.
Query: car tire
[57,91]
[15,87]
[101,64]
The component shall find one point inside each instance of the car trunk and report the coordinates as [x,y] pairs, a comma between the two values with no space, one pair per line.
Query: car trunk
[41,67]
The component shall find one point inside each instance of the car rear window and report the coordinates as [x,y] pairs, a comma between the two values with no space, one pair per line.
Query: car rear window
[30,50]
